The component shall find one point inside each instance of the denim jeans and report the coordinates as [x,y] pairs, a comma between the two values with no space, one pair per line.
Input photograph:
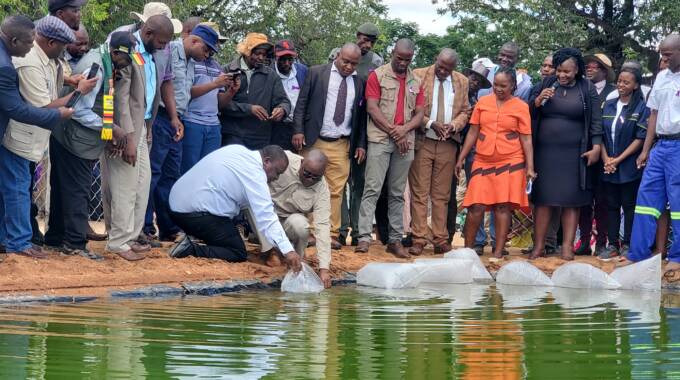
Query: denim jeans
[480,239]
[15,202]
[199,141]
[166,158]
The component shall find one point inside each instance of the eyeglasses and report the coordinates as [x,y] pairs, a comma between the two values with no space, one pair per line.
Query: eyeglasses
[310,175]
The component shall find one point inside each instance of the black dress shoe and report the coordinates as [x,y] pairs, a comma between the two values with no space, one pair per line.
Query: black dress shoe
[407,241]
[182,249]
[342,239]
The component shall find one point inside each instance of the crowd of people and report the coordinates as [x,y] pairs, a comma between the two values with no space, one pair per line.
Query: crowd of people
[267,149]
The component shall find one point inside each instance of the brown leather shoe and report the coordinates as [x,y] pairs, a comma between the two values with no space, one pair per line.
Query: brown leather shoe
[362,247]
[93,236]
[397,250]
[140,248]
[442,248]
[33,252]
[311,242]
[131,255]
[335,244]
[416,249]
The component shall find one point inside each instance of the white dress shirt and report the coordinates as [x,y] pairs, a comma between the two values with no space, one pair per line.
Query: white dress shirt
[599,86]
[225,182]
[292,88]
[665,98]
[449,94]
[328,128]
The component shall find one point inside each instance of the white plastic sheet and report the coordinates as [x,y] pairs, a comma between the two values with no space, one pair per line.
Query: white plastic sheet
[643,275]
[522,273]
[583,276]
[391,275]
[304,281]
[479,272]
[446,271]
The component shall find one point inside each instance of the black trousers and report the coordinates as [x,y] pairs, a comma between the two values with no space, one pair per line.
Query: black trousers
[70,182]
[219,233]
[598,209]
[620,196]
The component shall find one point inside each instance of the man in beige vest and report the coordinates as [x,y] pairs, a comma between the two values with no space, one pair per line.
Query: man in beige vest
[447,111]
[395,104]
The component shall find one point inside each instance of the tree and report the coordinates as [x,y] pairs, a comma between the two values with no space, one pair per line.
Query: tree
[615,27]
[314,26]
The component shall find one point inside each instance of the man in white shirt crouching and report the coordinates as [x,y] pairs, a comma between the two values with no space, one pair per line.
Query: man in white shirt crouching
[204,201]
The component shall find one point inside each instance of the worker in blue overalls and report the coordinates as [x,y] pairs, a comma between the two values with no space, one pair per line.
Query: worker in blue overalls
[661,178]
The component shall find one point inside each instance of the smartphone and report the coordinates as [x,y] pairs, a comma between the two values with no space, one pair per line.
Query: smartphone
[94,69]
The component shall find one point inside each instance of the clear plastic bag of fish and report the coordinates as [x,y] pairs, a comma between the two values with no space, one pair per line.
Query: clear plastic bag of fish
[583,276]
[446,271]
[304,281]
[479,272]
[391,275]
[522,273]
[643,275]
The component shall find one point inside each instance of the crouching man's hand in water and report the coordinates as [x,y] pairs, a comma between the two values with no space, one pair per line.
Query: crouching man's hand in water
[293,261]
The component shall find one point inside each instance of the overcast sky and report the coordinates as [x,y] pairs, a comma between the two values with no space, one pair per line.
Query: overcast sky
[422,12]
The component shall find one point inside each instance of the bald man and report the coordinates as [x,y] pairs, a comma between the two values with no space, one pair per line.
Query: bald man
[508,55]
[395,103]
[661,178]
[127,172]
[299,192]
[437,140]
[330,116]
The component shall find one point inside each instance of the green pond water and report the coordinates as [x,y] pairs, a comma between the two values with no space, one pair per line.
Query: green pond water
[434,332]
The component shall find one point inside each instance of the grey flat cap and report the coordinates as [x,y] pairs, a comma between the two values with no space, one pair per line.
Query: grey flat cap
[53,28]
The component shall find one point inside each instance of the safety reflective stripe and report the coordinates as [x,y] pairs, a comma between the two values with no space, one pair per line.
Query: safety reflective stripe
[650,211]
[675,215]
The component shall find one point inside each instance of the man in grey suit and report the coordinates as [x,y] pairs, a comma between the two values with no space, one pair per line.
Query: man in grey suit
[330,115]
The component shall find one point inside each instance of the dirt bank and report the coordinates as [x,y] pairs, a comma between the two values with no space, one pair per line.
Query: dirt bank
[59,275]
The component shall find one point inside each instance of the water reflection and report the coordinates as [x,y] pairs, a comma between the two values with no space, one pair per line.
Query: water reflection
[437,331]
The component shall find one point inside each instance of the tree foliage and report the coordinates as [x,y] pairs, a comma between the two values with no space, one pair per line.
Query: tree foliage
[619,28]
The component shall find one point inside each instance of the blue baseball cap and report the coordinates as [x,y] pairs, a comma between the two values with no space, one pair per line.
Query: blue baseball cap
[208,35]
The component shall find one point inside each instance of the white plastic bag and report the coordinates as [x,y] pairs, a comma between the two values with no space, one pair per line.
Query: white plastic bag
[446,271]
[391,275]
[304,281]
[645,275]
[583,276]
[479,272]
[522,273]
[518,296]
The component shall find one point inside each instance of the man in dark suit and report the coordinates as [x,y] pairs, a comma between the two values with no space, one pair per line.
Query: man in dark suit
[16,40]
[330,115]
[599,70]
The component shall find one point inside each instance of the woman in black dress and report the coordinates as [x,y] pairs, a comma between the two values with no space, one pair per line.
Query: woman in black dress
[567,124]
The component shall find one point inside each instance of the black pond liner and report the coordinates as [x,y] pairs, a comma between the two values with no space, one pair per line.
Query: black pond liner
[204,288]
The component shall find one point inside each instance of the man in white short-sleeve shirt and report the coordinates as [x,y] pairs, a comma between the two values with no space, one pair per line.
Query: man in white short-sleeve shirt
[661,179]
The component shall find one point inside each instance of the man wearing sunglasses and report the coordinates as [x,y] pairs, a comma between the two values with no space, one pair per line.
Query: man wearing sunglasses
[301,191]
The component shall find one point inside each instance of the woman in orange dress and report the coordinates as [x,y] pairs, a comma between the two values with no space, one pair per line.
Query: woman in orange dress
[501,127]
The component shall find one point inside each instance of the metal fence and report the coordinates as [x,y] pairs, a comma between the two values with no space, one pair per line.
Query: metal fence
[41,190]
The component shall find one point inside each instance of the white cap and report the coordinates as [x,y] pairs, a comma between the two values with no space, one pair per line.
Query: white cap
[155,9]
[486,62]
